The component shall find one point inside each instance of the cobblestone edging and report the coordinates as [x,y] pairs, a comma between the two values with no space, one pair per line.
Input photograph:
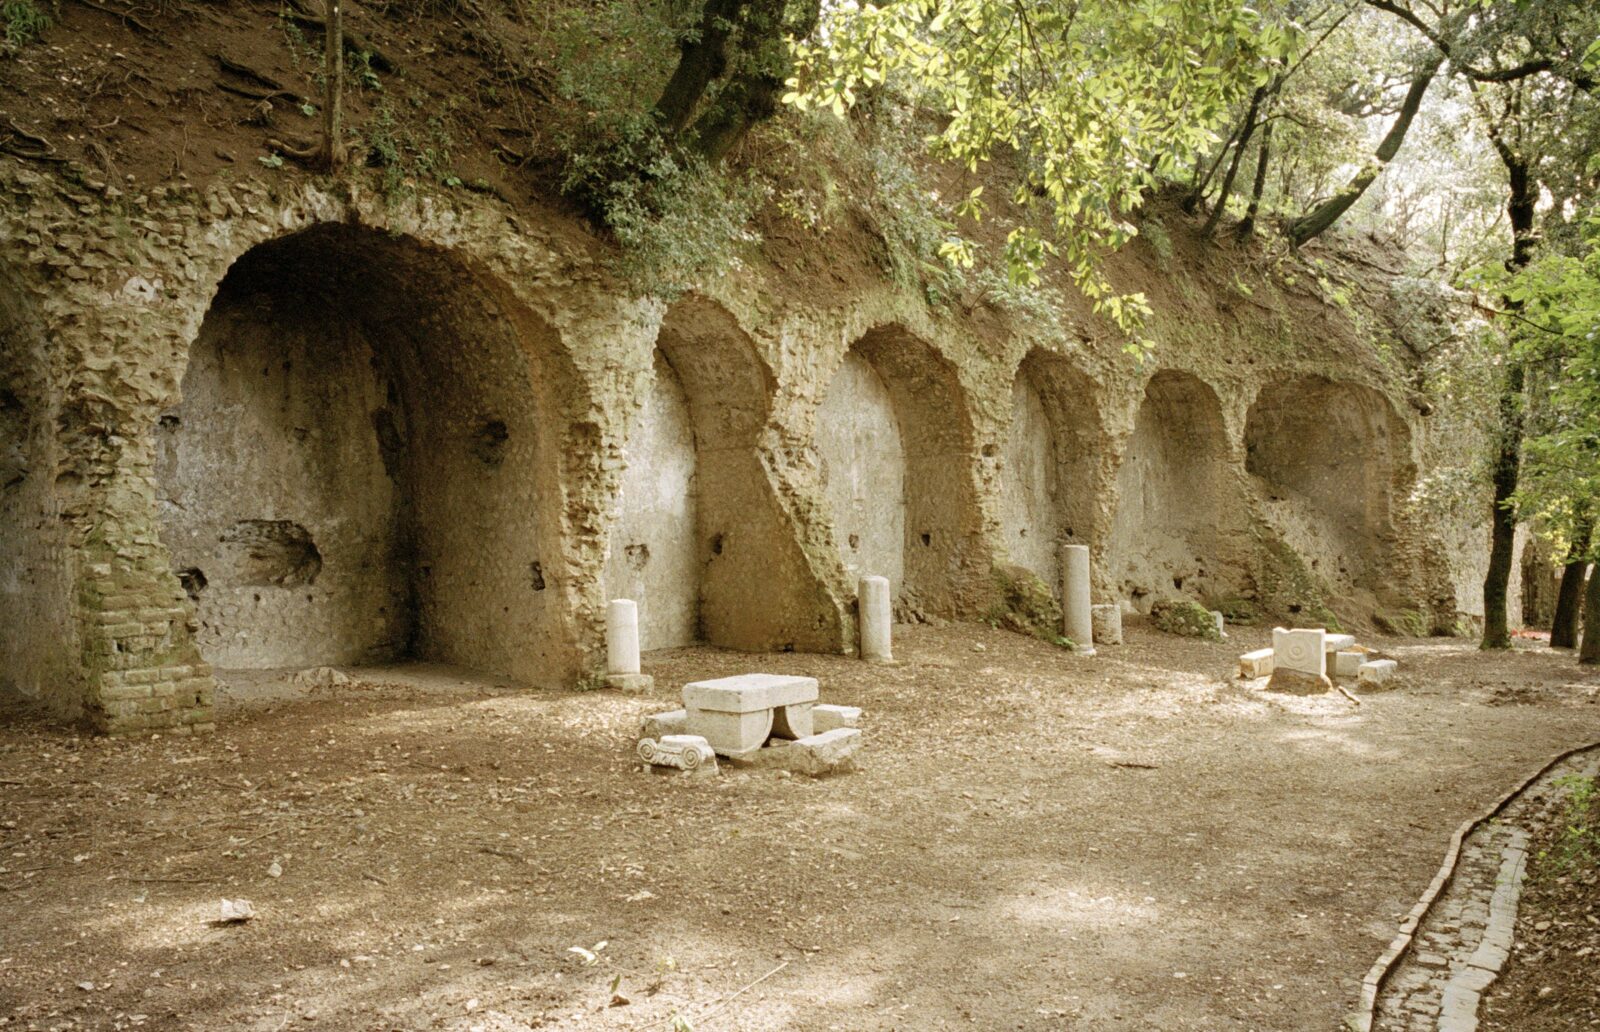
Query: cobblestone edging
[1455,941]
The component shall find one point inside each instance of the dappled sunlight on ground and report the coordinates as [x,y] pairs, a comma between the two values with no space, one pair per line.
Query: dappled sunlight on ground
[1036,840]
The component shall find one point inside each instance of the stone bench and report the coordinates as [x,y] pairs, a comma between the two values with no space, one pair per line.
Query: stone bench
[737,715]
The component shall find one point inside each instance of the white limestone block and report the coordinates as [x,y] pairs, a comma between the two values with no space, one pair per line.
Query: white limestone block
[746,693]
[1300,650]
[1256,664]
[660,725]
[825,753]
[633,684]
[825,718]
[731,734]
[1338,642]
[1077,618]
[1107,623]
[1221,622]
[1377,671]
[622,637]
[1347,662]
[876,614]
[686,752]
[793,721]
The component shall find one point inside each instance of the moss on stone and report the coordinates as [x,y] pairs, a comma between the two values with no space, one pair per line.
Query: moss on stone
[1025,605]
[1186,618]
[1409,623]
[1237,610]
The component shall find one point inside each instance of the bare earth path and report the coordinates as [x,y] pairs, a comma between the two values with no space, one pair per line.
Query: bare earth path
[1037,841]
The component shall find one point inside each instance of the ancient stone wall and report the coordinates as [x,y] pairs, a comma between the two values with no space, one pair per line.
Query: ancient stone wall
[292,426]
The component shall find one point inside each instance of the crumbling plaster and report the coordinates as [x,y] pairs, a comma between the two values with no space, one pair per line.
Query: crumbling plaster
[119,302]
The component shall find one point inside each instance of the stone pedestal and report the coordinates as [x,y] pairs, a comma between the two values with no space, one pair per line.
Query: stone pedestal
[1107,623]
[877,614]
[738,714]
[622,647]
[1077,618]
[1301,650]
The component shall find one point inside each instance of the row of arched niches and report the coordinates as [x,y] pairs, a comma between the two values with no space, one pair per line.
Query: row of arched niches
[378,456]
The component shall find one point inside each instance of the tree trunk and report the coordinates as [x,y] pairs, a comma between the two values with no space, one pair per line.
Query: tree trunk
[761,63]
[1508,455]
[1502,516]
[703,58]
[1589,652]
[333,149]
[1328,212]
[1569,597]
[1263,157]
[1245,132]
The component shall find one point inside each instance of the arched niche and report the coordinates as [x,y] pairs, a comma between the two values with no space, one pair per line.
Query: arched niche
[703,544]
[363,466]
[1051,457]
[895,441]
[1327,459]
[37,614]
[1181,528]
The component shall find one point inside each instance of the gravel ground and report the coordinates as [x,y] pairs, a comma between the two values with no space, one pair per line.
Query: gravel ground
[1036,841]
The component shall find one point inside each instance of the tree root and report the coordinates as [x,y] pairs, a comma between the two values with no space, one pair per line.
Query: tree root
[309,152]
[127,18]
[16,140]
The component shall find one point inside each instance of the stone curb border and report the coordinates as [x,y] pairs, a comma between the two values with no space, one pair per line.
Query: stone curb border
[1459,1007]
[1372,985]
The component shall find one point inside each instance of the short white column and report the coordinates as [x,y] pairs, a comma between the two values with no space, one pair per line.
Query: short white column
[1077,616]
[872,600]
[622,637]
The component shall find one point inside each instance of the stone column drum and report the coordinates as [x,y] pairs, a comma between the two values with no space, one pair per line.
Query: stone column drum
[1077,616]
[872,601]
[622,647]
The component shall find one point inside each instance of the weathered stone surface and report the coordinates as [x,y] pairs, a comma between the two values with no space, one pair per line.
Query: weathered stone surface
[745,693]
[1186,618]
[877,619]
[659,725]
[1300,650]
[1077,620]
[499,488]
[1107,621]
[1347,662]
[685,752]
[825,717]
[794,721]
[1221,624]
[622,636]
[1375,672]
[1338,642]
[632,684]
[830,752]
[731,734]
[1297,682]
[1257,663]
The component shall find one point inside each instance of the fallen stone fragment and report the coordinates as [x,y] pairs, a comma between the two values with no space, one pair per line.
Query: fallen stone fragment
[1347,662]
[1297,682]
[1256,664]
[828,753]
[1377,671]
[660,725]
[1107,623]
[825,717]
[235,911]
[321,677]
[1338,642]
[685,752]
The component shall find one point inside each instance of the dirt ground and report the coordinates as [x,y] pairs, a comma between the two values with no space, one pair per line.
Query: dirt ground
[1037,841]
